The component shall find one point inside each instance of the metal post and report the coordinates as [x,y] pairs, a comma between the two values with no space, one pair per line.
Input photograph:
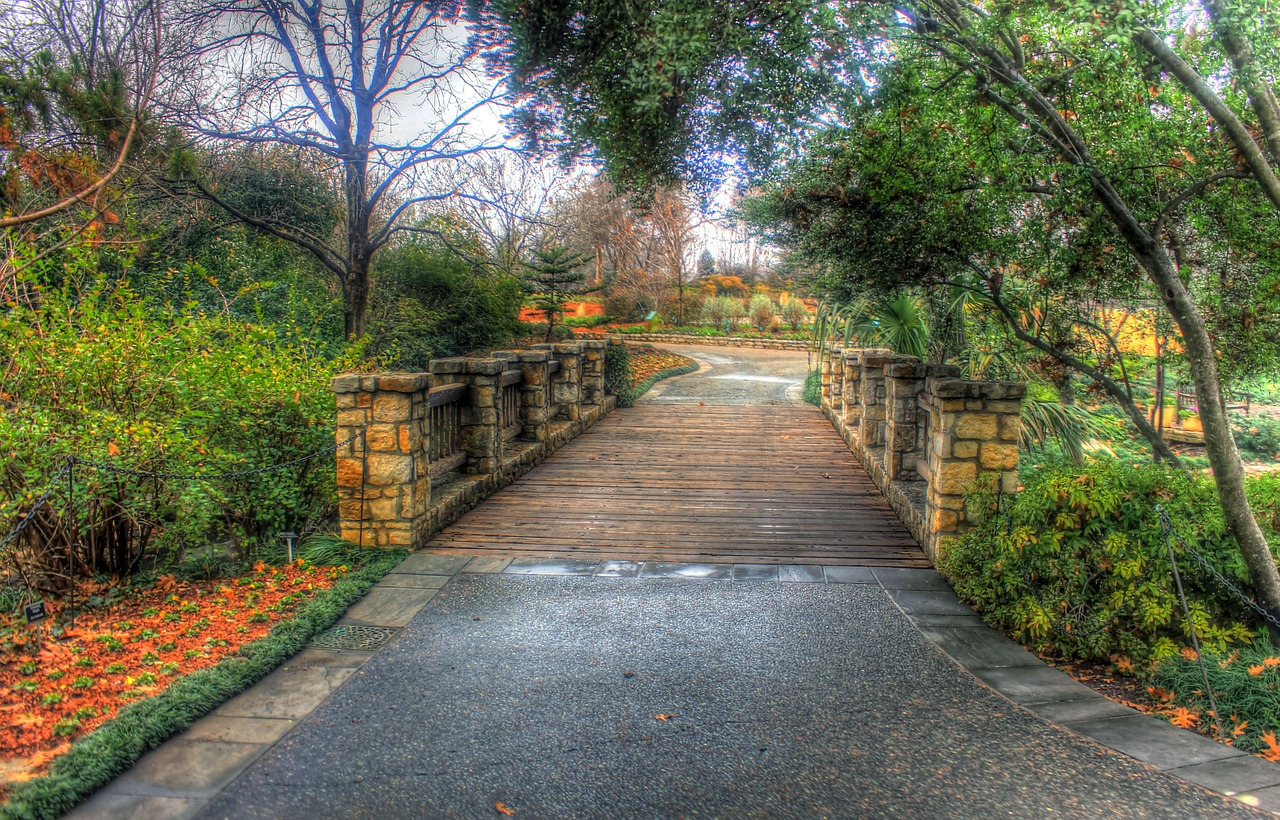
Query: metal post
[1195,639]
[73,534]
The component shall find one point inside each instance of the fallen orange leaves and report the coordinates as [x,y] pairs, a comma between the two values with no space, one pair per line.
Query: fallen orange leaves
[1184,718]
[502,809]
[129,650]
[1272,752]
[647,361]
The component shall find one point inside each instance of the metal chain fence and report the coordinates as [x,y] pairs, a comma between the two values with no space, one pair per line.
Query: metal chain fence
[1172,535]
[70,463]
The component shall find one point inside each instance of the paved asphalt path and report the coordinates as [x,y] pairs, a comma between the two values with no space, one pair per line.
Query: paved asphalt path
[547,694]
[735,376]
[620,698]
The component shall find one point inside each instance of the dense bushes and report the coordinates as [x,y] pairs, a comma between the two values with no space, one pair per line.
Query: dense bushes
[617,373]
[1257,436]
[1076,563]
[813,388]
[95,372]
[428,302]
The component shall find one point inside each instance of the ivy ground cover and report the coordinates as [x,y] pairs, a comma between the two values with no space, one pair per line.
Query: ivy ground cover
[68,681]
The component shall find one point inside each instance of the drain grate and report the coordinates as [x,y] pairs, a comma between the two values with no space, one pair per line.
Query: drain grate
[367,638]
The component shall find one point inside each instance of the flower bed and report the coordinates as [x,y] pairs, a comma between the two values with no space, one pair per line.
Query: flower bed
[70,681]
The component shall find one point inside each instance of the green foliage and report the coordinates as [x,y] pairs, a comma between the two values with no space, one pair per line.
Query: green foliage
[1073,428]
[1076,563]
[1257,436]
[587,66]
[717,310]
[428,302]
[1245,682]
[95,372]
[762,311]
[553,277]
[813,388]
[894,321]
[617,373]
[97,758]
[794,313]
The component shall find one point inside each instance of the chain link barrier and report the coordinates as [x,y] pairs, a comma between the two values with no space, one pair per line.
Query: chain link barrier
[1171,535]
[54,484]
[71,462]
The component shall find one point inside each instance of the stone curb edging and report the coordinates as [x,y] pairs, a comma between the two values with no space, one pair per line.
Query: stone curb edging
[182,776]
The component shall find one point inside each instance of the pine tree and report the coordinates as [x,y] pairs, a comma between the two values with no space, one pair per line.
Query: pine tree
[552,277]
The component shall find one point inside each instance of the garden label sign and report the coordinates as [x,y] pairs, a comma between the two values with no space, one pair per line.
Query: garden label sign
[35,612]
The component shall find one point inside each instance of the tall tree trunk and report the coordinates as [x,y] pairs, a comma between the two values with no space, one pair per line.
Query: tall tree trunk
[355,299]
[1220,446]
[1228,472]
[355,285]
[1240,52]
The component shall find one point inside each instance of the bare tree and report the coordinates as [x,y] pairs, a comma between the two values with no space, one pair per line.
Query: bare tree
[510,202]
[102,58]
[385,90]
[674,223]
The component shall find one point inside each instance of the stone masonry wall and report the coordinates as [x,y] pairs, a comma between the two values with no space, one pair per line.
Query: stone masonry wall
[923,434]
[387,496]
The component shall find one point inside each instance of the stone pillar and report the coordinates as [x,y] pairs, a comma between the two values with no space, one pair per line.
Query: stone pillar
[906,425]
[824,370]
[566,385]
[535,393]
[836,401]
[850,406]
[593,379]
[384,487]
[481,416]
[973,431]
[873,398]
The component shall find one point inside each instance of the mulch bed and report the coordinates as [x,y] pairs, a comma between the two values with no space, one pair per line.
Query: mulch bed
[57,684]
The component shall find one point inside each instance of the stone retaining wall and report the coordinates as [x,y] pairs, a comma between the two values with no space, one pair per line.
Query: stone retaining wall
[923,434]
[390,496]
[714,341]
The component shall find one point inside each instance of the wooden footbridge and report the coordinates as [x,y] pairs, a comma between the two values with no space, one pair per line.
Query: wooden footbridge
[881,469]
[660,482]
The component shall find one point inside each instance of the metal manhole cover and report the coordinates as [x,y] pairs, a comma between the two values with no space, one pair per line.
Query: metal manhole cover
[368,638]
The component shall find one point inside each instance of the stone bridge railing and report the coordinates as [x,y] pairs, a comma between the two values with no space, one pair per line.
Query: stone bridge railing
[417,450]
[924,434]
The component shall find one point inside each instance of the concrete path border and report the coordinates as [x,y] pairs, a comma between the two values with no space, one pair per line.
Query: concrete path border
[179,778]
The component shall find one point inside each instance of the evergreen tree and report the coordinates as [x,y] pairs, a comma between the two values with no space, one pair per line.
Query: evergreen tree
[552,278]
[706,264]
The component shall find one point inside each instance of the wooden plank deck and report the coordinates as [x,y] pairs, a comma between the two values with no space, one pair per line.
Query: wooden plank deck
[662,482]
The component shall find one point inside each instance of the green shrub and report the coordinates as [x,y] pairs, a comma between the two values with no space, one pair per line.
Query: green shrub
[1076,564]
[1245,682]
[617,374]
[428,302]
[585,321]
[813,388]
[1257,436]
[97,373]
